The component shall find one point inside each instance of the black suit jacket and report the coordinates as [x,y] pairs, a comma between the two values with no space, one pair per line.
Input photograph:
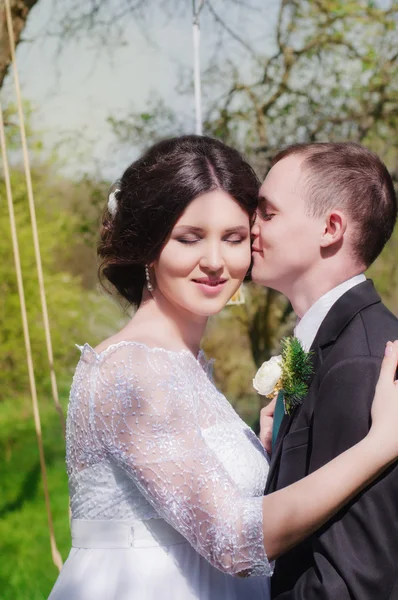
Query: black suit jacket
[355,555]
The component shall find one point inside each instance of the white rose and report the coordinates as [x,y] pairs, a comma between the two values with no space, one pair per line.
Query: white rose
[268,376]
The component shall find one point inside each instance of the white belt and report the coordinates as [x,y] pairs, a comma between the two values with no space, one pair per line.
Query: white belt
[122,534]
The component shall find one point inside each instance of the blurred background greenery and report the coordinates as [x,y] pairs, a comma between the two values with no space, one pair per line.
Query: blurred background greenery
[318,70]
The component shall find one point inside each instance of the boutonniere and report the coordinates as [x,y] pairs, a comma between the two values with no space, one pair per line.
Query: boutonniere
[288,373]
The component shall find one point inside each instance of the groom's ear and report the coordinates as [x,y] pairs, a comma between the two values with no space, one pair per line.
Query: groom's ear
[335,226]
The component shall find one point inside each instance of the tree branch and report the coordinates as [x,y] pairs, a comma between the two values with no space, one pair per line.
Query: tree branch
[233,34]
[20,10]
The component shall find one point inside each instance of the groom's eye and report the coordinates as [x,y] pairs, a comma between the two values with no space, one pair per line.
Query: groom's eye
[265,215]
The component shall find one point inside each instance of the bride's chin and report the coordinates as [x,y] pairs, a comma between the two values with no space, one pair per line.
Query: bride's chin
[209,312]
[205,306]
[207,309]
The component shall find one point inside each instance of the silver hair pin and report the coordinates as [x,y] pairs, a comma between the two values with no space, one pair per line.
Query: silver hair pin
[148,280]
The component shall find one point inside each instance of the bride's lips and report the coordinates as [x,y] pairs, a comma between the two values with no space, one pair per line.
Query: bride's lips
[210,286]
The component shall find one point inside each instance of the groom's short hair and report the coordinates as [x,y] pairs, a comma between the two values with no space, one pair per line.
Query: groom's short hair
[350,177]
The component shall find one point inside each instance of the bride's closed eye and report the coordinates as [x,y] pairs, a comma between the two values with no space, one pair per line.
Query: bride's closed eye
[188,240]
[235,239]
[195,240]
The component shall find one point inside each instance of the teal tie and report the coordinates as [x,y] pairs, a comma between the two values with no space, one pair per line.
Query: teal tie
[278,416]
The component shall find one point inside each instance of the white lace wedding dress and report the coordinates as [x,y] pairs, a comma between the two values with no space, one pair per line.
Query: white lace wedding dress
[166,483]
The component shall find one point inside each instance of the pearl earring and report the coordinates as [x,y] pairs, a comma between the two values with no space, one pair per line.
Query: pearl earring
[148,280]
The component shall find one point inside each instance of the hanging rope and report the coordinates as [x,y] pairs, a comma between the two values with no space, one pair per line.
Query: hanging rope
[54,550]
[32,211]
[196,68]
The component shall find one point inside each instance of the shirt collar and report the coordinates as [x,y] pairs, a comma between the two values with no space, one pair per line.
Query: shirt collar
[307,327]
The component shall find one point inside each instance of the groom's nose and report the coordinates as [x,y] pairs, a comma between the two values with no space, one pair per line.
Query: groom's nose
[255,230]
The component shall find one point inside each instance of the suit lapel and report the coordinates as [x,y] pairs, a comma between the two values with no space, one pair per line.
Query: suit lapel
[339,316]
[344,310]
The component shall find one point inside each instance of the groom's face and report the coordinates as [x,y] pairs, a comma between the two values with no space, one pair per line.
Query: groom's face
[286,241]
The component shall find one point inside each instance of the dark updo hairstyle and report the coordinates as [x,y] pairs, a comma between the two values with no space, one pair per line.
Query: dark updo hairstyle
[154,192]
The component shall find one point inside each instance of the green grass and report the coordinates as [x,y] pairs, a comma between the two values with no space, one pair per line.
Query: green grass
[26,568]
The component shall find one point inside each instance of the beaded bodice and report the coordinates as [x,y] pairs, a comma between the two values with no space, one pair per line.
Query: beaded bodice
[149,436]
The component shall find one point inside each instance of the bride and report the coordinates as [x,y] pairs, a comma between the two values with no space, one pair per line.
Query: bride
[166,481]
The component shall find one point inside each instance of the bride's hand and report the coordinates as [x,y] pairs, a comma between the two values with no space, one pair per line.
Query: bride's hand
[385,405]
[266,425]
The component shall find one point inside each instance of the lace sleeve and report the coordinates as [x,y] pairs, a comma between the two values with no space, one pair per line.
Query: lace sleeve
[145,417]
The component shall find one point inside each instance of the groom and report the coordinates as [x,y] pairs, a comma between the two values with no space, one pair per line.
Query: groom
[325,214]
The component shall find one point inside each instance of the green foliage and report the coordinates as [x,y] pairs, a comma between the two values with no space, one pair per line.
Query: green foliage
[384,273]
[296,372]
[142,129]
[67,215]
[332,75]
[11,124]
[26,568]
[65,298]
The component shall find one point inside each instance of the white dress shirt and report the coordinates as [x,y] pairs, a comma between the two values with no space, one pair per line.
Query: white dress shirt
[307,327]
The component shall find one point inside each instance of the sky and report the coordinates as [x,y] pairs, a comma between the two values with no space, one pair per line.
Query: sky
[73,91]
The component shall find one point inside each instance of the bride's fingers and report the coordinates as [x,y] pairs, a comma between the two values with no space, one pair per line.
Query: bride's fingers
[384,410]
[389,364]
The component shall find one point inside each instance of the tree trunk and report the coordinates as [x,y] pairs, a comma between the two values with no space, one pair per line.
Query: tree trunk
[20,10]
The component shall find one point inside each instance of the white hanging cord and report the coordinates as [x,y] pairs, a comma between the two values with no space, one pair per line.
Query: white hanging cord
[196,55]
[56,556]
[32,210]
[54,550]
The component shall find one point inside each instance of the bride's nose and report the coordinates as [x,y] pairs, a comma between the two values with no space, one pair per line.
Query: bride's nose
[212,257]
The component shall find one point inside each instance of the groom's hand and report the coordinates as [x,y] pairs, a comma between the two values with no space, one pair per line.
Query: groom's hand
[266,424]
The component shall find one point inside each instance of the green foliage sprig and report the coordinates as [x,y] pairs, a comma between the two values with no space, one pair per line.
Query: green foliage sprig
[297,370]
